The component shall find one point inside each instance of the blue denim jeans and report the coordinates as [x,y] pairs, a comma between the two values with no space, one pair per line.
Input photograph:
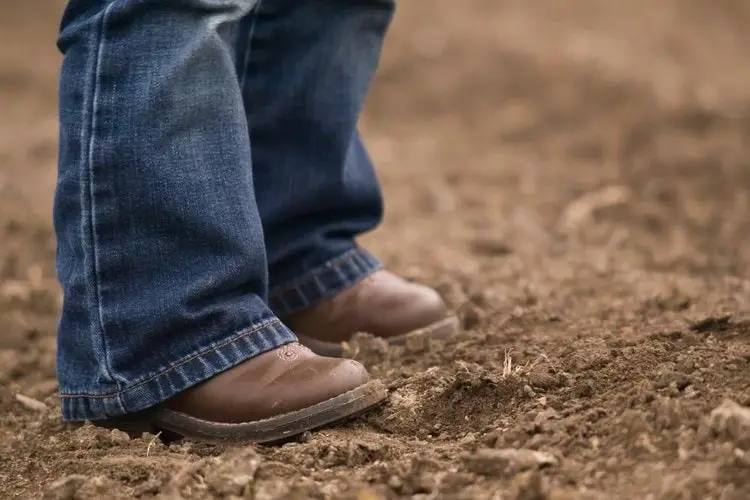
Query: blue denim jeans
[211,178]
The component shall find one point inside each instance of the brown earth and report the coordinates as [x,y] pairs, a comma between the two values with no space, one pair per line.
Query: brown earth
[575,176]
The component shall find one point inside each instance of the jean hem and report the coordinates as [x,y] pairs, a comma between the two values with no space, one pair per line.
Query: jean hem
[323,282]
[189,371]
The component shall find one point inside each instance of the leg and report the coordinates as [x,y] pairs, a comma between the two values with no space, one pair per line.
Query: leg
[161,250]
[315,184]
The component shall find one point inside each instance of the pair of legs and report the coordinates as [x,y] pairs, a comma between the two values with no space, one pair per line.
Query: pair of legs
[211,182]
[211,179]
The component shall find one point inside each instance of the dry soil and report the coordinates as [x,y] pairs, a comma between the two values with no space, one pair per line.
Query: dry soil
[574,176]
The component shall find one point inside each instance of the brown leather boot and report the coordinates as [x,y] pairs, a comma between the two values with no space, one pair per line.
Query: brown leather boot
[383,304]
[274,396]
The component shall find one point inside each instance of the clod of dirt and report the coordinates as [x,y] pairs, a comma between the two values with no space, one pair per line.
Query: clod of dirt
[421,477]
[64,488]
[491,248]
[234,475]
[151,486]
[367,349]
[540,379]
[544,420]
[732,421]
[79,487]
[417,342]
[530,486]
[712,324]
[507,461]
[587,354]
[471,316]
[478,398]
[670,413]
[585,389]
[119,437]
[634,422]
[184,479]
[680,380]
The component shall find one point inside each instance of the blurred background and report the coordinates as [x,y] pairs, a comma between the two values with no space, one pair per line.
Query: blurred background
[495,106]
[586,160]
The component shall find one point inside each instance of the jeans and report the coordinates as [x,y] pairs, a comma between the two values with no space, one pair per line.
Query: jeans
[211,180]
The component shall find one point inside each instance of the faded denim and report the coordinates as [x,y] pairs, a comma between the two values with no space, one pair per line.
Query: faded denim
[211,177]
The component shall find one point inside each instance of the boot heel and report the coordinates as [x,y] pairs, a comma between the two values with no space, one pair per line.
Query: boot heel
[133,425]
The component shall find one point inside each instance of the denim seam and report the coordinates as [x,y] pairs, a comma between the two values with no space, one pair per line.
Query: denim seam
[249,49]
[91,219]
[332,265]
[235,337]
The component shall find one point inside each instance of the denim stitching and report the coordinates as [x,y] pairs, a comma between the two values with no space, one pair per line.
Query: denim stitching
[324,281]
[349,257]
[88,195]
[237,336]
[248,49]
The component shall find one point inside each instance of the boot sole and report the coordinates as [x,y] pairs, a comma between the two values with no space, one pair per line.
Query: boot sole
[173,425]
[441,330]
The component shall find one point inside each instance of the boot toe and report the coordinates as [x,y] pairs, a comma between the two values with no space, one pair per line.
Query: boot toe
[316,380]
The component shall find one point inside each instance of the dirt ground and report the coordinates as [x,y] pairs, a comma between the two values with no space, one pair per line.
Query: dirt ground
[574,176]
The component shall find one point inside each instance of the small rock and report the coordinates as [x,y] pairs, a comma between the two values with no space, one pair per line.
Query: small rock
[528,391]
[732,421]
[31,403]
[508,461]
